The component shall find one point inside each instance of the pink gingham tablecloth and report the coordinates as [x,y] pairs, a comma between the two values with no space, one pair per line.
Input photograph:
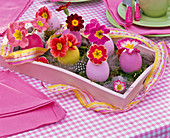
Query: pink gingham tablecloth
[150,118]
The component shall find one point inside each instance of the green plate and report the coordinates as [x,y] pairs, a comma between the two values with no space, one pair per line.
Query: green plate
[112,21]
[147,21]
[115,24]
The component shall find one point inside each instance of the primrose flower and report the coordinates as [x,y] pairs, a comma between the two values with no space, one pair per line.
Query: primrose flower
[97,54]
[74,22]
[42,59]
[58,46]
[97,34]
[44,13]
[119,86]
[63,7]
[119,51]
[71,41]
[128,44]
[16,35]
[89,26]
[40,24]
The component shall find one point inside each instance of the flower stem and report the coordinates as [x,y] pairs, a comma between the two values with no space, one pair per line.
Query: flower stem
[33,31]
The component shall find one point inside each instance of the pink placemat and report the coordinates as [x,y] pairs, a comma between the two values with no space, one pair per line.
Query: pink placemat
[10,11]
[149,119]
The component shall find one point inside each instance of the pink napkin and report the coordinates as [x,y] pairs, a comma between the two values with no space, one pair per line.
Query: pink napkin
[112,6]
[22,107]
[10,11]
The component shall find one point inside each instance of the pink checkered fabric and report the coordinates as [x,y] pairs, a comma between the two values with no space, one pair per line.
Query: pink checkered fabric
[149,119]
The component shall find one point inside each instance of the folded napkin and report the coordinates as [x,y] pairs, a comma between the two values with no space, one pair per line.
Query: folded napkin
[10,11]
[112,5]
[22,107]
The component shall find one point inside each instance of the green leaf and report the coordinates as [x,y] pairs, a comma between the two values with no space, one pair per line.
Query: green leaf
[66,12]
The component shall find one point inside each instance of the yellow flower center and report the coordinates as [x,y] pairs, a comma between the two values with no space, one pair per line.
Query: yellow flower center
[44,15]
[59,46]
[64,7]
[40,23]
[18,35]
[97,54]
[119,87]
[99,34]
[130,46]
[69,44]
[75,22]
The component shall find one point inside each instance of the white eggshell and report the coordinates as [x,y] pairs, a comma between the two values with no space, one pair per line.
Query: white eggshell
[130,62]
[98,73]
[54,23]
[76,33]
[109,46]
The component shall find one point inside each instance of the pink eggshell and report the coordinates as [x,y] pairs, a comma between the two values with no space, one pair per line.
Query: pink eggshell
[130,62]
[109,46]
[98,73]
[76,33]
[54,23]
[34,41]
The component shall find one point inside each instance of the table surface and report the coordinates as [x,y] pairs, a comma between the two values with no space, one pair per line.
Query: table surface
[150,118]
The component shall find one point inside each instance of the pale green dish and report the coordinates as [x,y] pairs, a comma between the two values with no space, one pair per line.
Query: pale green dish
[147,21]
[114,23]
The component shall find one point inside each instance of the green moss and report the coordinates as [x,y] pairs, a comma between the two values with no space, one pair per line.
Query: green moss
[131,76]
[83,50]
[48,33]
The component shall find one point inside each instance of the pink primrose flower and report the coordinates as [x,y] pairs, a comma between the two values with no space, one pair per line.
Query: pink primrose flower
[58,46]
[16,35]
[40,24]
[97,54]
[89,26]
[128,44]
[119,86]
[97,34]
[71,41]
[44,13]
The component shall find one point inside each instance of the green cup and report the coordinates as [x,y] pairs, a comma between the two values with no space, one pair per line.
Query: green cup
[154,8]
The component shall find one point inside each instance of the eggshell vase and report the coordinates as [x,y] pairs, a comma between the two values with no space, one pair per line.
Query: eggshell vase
[98,73]
[71,57]
[54,23]
[130,62]
[109,45]
[76,33]
[34,41]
